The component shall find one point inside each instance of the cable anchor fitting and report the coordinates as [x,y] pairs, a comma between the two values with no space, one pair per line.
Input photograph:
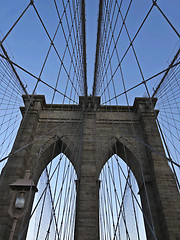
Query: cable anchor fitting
[32,2]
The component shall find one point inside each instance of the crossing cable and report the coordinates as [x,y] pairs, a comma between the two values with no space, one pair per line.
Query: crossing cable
[133,203]
[4,38]
[122,78]
[51,44]
[105,36]
[110,177]
[44,198]
[69,38]
[54,47]
[59,204]
[14,70]
[64,176]
[40,80]
[129,183]
[135,197]
[169,98]
[64,57]
[57,53]
[144,20]
[105,46]
[52,201]
[8,87]
[172,75]
[76,35]
[168,82]
[112,38]
[98,46]
[77,44]
[139,84]
[118,200]
[107,225]
[109,199]
[45,189]
[102,36]
[159,125]
[166,73]
[77,22]
[66,209]
[27,110]
[66,206]
[9,101]
[127,161]
[112,123]
[102,49]
[131,42]
[67,45]
[43,204]
[78,30]
[121,192]
[70,219]
[8,76]
[51,217]
[121,207]
[40,198]
[172,26]
[115,187]
[141,69]
[51,105]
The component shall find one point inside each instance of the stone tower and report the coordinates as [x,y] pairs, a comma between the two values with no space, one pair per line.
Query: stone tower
[101,131]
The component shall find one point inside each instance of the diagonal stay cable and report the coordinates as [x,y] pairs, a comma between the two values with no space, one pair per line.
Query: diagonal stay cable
[40,80]
[155,4]
[144,20]
[16,22]
[14,70]
[70,37]
[64,34]
[129,45]
[139,84]
[166,72]
[57,53]
[115,42]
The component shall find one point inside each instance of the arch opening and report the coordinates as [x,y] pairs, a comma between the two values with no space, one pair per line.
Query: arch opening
[53,211]
[120,209]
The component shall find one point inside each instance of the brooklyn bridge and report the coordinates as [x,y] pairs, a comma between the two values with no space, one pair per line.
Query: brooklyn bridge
[89,120]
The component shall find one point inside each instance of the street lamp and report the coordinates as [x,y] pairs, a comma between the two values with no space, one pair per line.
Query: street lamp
[22,191]
[20,200]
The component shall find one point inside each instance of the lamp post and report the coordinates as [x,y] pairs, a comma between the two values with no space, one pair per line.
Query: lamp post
[22,191]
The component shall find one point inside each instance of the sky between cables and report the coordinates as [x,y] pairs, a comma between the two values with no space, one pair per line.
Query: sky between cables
[29,42]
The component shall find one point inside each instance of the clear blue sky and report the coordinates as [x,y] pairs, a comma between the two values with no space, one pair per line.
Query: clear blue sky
[28,42]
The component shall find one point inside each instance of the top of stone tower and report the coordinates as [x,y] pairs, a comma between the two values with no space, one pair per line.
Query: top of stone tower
[90,102]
